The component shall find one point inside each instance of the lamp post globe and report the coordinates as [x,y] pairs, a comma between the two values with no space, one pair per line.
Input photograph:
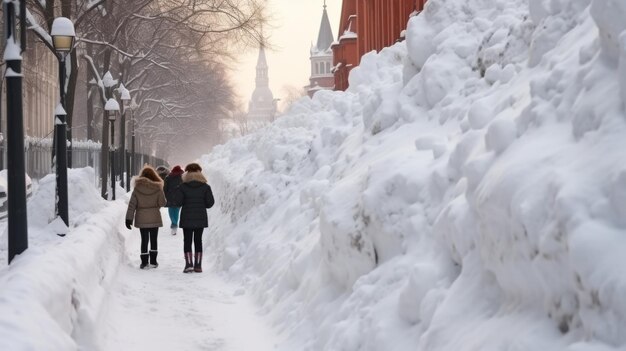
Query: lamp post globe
[124,95]
[108,81]
[112,107]
[63,35]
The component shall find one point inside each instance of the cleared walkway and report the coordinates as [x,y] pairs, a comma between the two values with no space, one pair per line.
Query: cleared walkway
[164,309]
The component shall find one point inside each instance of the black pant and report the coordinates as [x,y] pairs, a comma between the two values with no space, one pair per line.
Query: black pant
[148,234]
[195,235]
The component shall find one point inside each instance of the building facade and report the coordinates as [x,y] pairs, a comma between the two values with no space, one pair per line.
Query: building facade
[367,25]
[40,91]
[262,105]
[321,59]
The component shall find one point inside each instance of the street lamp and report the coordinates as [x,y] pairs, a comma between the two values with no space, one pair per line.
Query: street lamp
[133,167]
[17,226]
[112,108]
[125,97]
[108,82]
[63,35]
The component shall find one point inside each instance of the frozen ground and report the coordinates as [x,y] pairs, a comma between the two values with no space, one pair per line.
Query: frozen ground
[164,309]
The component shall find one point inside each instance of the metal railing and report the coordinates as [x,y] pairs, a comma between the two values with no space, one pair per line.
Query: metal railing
[38,158]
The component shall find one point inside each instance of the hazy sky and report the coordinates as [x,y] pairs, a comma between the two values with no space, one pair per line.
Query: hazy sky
[296,25]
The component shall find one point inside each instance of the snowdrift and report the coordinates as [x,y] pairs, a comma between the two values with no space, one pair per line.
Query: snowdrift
[58,284]
[468,192]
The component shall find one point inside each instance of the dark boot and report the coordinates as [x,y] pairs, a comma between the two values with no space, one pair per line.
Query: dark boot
[153,261]
[188,263]
[197,267]
[144,260]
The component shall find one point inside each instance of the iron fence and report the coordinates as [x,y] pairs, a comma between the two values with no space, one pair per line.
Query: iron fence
[38,158]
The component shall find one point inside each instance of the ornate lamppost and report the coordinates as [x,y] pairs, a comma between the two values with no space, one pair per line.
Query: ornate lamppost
[112,107]
[133,164]
[125,97]
[63,35]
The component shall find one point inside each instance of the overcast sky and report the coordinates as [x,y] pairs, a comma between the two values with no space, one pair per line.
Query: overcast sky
[296,25]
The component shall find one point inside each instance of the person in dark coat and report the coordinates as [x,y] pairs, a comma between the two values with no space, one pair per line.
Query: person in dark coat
[162,171]
[172,182]
[144,207]
[194,196]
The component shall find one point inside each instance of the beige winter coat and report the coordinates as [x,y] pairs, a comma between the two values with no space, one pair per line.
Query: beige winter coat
[145,203]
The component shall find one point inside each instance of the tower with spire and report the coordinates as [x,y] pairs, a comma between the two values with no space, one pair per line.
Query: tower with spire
[262,105]
[321,58]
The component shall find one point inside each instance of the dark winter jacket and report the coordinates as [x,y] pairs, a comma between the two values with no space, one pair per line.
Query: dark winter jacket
[145,203]
[194,196]
[172,182]
[162,171]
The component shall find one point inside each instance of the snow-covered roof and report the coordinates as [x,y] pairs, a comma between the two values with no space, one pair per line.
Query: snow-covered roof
[348,35]
[321,53]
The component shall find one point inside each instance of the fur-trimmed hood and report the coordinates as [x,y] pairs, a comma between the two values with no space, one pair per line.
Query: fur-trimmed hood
[147,186]
[194,176]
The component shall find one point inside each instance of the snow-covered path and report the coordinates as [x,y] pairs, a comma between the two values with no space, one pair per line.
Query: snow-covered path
[164,309]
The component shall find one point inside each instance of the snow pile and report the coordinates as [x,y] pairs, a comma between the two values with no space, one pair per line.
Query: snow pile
[466,193]
[58,284]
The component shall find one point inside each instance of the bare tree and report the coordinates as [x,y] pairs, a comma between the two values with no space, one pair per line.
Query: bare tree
[239,117]
[172,56]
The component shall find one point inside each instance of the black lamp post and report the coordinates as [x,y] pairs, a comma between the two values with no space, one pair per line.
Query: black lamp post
[17,226]
[133,167]
[112,108]
[63,39]
[125,97]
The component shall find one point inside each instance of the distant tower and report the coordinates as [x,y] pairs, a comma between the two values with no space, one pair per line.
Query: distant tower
[262,106]
[322,77]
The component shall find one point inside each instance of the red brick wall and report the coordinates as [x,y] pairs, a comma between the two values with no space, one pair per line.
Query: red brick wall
[378,24]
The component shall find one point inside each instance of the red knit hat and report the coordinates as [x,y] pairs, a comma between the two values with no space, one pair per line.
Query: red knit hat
[176,170]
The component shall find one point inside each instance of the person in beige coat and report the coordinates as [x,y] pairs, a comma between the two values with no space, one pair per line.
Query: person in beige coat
[144,208]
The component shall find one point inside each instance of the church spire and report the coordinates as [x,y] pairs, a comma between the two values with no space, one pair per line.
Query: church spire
[321,58]
[325,36]
[262,79]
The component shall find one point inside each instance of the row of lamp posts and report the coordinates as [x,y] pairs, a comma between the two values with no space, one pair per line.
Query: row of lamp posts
[63,35]
[112,108]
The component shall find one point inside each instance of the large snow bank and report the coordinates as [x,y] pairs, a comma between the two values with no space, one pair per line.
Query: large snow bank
[60,274]
[466,192]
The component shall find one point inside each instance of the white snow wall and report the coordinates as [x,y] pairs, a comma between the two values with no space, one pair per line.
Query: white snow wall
[468,192]
[52,293]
